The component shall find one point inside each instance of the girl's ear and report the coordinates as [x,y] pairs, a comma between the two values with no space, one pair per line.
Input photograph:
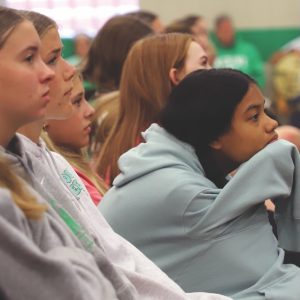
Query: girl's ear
[216,144]
[173,75]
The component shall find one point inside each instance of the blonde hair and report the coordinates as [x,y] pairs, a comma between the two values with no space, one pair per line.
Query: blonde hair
[20,194]
[106,114]
[144,90]
[41,22]
[9,20]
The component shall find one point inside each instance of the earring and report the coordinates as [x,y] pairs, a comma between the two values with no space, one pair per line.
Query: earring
[45,127]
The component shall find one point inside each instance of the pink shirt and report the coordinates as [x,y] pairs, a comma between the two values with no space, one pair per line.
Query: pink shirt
[94,193]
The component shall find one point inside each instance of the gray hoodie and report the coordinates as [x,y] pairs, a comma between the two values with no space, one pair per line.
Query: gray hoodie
[41,259]
[132,275]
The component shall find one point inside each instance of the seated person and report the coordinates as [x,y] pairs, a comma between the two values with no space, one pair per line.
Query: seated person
[173,199]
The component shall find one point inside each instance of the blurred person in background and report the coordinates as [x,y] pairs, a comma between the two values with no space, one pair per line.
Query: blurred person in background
[289,133]
[104,67]
[150,18]
[233,52]
[197,27]
[82,43]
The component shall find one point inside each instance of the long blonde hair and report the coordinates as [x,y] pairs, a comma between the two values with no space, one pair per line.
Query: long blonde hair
[144,90]
[20,194]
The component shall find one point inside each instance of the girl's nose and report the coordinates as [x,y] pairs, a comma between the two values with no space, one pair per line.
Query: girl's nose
[272,124]
[46,73]
[89,110]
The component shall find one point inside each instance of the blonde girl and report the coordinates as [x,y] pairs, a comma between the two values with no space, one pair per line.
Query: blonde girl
[69,138]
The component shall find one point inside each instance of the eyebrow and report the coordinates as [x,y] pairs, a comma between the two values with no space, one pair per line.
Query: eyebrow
[255,106]
[31,48]
[78,95]
[56,51]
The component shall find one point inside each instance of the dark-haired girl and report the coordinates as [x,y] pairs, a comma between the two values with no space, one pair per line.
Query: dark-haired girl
[176,203]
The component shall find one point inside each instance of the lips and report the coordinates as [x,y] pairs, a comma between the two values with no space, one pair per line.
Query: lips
[273,139]
[46,96]
[88,128]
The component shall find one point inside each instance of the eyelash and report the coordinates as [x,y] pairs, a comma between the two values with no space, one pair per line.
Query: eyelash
[52,61]
[255,117]
[77,102]
[29,58]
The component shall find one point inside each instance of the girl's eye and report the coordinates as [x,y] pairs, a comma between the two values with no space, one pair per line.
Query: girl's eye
[77,102]
[29,58]
[255,117]
[52,61]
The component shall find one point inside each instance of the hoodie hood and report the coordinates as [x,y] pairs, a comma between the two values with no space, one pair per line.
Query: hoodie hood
[15,154]
[160,150]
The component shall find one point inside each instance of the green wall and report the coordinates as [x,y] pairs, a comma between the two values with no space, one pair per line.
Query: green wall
[68,47]
[268,41]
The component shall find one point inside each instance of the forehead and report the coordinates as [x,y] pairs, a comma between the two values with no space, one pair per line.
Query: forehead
[225,24]
[22,35]
[200,23]
[195,50]
[77,85]
[253,99]
[51,41]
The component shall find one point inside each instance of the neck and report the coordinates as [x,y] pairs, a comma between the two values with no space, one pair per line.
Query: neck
[225,164]
[7,131]
[6,135]
[32,130]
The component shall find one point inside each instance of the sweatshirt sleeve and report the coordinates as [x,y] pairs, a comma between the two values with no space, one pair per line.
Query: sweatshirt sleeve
[273,173]
[28,272]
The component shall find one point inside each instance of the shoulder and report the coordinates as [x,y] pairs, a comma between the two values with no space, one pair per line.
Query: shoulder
[25,141]
[60,160]
[10,212]
[68,175]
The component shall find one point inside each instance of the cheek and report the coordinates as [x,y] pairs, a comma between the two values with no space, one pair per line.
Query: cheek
[249,147]
[78,138]
[54,88]
[191,67]
[73,128]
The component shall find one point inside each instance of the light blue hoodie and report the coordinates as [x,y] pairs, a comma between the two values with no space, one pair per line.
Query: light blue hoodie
[206,238]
